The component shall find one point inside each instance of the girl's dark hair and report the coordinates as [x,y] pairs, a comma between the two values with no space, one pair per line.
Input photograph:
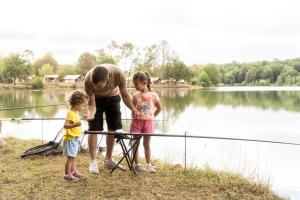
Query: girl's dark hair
[77,97]
[100,73]
[144,77]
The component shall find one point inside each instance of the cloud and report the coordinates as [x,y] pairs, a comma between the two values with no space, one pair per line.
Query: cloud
[200,31]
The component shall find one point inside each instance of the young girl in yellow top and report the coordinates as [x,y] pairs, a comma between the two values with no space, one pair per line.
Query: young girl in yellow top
[71,145]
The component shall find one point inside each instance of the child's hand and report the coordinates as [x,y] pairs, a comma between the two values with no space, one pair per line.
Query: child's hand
[137,114]
[88,117]
[77,124]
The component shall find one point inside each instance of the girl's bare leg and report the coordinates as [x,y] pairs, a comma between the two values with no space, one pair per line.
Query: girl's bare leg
[147,149]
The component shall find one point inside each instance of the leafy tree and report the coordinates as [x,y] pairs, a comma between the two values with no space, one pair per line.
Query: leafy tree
[251,75]
[177,70]
[66,69]
[276,69]
[86,61]
[46,59]
[242,74]
[150,57]
[165,57]
[294,63]
[2,69]
[37,83]
[214,73]
[127,50]
[46,69]
[203,79]
[287,76]
[16,67]
[102,57]
[229,78]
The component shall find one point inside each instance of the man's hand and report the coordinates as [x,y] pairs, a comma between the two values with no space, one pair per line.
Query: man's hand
[136,113]
[88,117]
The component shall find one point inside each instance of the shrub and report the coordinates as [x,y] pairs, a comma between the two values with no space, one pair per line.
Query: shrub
[37,83]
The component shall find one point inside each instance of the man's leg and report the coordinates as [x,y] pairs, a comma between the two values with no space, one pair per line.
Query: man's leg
[95,125]
[92,141]
[114,122]
[110,141]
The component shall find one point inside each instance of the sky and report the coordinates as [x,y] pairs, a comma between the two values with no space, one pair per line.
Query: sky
[211,31]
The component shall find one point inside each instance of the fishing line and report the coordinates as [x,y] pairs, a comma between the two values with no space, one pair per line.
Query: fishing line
[47,118]
[192,136]
[24,107]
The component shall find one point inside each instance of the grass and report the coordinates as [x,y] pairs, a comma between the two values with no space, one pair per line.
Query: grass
[42,178]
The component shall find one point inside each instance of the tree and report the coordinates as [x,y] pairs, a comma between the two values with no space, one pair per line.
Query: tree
[204,79]
[102,57]
[127,50]
[213,72]
[28,55]
[2,68]
[16,67]
[287,76]
[251,75]
[46,69]
[46,59]
[150,57]
[177,70]
[86,61]
[164,47]
[276,69]
[229,77]
[66,69]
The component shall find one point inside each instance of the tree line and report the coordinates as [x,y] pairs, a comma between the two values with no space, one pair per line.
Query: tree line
[157,59]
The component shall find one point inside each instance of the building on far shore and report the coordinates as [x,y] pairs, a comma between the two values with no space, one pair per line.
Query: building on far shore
[51,78]
[72,79]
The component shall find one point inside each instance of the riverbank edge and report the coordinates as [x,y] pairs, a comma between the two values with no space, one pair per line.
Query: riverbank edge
[80,85]
[41,178]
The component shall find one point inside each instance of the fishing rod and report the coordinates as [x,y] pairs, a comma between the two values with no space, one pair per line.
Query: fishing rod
[188,136]
[29,119]
[24,107]
[49,118]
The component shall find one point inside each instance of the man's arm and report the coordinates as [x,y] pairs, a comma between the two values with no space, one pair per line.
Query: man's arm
[127,100]
[91,107]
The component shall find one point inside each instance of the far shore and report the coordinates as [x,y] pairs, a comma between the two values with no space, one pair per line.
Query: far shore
[80,85]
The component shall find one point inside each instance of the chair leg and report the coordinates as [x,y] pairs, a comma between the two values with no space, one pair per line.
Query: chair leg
[126,154]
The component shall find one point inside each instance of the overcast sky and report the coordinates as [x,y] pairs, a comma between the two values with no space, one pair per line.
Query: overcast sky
[217,31]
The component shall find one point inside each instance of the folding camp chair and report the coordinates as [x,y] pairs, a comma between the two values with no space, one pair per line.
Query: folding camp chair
[126,152]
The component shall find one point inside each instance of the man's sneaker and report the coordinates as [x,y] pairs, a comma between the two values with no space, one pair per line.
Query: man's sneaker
[78,175]
[150,168]
[139,168]
[110,164]
[94,168]
[71,178]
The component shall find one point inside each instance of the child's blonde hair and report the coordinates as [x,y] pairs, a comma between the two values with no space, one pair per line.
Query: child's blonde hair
[143,77]
[77,97]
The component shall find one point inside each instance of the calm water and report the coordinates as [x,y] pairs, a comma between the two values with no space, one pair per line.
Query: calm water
[267,113]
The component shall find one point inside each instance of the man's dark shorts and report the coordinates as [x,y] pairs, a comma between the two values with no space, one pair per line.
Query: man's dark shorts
[111,107]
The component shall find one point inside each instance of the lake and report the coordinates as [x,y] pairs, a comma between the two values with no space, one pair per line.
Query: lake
[263,113]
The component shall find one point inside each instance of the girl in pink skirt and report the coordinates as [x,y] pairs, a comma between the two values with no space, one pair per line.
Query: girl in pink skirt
[147,102]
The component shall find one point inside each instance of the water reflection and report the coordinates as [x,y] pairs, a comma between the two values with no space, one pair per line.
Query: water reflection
[174,101]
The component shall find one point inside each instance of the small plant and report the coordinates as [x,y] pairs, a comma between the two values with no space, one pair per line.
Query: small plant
[37,83]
